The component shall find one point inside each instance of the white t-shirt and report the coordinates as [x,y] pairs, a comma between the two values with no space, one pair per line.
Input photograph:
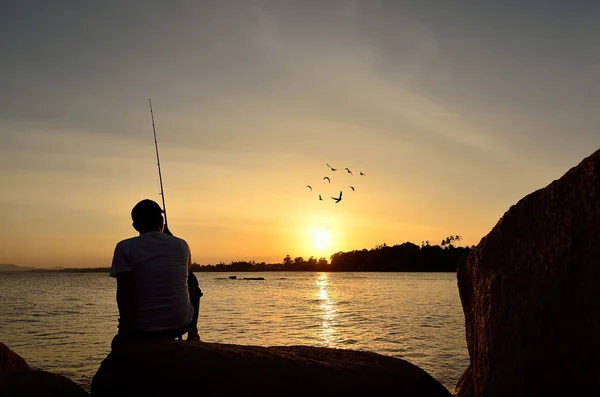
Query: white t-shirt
[159,263]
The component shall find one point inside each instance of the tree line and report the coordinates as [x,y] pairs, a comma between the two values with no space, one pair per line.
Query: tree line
[405,257]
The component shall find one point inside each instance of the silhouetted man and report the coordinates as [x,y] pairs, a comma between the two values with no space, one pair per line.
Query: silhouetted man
[157,295]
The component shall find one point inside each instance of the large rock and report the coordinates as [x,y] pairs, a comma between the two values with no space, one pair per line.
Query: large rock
[18,379]
[530,294]
[212,369]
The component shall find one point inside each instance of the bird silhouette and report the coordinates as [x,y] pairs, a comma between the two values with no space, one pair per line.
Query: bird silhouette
[329,180]
[351,187]
[310,187]
[320,197]
[363,173]
[350,172]
[338,199]
[332,169]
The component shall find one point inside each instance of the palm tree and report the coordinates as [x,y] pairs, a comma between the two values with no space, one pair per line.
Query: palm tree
[458,238]
[448,241]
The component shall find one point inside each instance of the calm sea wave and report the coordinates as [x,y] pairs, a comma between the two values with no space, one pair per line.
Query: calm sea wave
[64,323]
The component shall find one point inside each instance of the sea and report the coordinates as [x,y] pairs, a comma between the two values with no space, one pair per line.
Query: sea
[64,322]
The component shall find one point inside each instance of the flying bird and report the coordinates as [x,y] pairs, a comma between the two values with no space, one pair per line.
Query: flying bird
[350,172]
[351,187]
[363,173]
[329,180]
[320,197]
[310,187]
[338,199]
[332,169]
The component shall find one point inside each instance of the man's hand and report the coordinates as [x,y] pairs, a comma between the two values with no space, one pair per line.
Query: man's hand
[167,231]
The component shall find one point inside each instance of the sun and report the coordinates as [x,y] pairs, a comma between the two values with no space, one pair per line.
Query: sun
[321,239]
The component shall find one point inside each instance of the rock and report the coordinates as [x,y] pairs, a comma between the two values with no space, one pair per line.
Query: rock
[213,369]
[464,387]
[11,361]
[38,383]
[529,292]
[18,379]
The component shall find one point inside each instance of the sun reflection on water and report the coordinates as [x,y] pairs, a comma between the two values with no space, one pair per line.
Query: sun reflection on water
[327,311]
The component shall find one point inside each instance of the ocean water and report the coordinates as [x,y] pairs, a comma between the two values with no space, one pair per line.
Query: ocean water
[64,323]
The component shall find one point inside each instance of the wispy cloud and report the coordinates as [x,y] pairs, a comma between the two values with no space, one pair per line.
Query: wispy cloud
[445,114]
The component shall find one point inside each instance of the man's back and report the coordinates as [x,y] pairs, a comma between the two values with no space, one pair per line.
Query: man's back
[159,264]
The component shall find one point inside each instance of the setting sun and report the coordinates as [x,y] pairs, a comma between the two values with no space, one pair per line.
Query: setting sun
[321,239]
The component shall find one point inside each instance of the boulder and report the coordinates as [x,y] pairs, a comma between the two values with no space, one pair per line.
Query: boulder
[213,369]
[11,361]
[529,292]
[18,379]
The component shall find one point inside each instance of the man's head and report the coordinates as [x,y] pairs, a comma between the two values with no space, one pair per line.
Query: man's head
[147,216]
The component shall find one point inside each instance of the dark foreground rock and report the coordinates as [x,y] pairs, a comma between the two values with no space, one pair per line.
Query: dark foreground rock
[38,383]
[530,294]
[11,361]
[212,369]
[18,379]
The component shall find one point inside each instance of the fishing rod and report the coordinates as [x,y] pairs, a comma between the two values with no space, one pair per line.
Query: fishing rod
[162,193]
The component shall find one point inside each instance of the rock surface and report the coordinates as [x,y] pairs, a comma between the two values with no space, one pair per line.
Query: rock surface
[11,361]
[464,387]
[18,379]
[212,369]
[529,292]
[38,383]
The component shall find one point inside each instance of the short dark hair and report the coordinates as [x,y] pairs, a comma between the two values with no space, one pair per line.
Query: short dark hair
[147,215]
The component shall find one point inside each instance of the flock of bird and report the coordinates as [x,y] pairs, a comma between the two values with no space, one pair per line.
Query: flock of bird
[339,198]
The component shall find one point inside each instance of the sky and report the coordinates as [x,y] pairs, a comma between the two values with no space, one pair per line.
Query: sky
[454,110]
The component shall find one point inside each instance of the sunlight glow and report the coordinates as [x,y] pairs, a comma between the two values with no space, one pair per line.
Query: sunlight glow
[321,239]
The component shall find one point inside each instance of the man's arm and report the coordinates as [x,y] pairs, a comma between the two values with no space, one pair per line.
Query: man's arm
[194,293]
[126,300]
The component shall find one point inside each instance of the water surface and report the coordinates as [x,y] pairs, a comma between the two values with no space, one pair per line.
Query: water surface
[64,323]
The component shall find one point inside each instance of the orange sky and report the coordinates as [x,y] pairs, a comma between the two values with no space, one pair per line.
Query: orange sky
[251,103]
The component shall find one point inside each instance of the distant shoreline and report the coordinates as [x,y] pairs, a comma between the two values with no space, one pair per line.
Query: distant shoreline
[401,258]
[107,269]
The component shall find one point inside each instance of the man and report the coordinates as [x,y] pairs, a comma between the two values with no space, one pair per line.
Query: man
[157,295]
